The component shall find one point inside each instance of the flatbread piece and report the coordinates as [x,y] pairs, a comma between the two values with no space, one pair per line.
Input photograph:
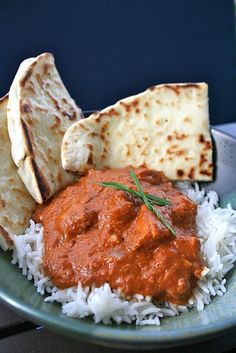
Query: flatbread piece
[40,110]
[16,204]
[165,128]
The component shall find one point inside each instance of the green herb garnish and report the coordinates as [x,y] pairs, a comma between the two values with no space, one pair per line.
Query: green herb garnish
[148,199]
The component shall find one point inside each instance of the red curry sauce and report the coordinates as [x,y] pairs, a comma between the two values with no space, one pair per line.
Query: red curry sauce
[95,234]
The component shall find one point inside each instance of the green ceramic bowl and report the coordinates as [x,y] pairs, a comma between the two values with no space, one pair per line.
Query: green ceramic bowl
[187,328]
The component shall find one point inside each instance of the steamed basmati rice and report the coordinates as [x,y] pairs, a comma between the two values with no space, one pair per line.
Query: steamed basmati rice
[216,228]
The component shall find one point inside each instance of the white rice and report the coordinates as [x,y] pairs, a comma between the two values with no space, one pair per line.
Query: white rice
[217,230]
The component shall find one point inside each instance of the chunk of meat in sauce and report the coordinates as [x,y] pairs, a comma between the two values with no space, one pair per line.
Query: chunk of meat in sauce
[95,234]
[146,231]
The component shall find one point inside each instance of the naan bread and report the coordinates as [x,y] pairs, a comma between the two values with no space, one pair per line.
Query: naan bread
[16,204]
[40,110]
[165,128]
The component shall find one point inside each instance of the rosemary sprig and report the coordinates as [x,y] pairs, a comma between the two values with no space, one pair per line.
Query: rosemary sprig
[119,186]
[148,199]
[153,199]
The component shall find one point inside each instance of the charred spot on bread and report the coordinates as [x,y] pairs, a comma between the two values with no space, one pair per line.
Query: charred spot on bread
[41,181]
[180,173]
[28,137]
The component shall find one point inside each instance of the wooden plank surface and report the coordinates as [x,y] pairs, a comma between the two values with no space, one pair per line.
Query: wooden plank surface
[8,317]
[42,340]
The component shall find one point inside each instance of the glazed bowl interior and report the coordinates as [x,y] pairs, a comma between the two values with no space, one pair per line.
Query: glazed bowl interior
[189,327]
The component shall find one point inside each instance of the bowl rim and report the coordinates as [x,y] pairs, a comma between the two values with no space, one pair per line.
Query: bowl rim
[113,336]
[221,132]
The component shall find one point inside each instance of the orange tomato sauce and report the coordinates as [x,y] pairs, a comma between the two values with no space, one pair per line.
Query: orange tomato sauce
[94,234]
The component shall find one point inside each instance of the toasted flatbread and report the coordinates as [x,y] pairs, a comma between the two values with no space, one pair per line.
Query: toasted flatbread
[40,110]
[16,204]
[165,128]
